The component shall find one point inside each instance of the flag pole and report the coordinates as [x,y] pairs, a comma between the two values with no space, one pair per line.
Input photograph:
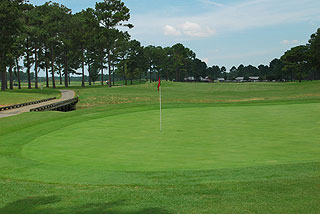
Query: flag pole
[159,87]
[160,111]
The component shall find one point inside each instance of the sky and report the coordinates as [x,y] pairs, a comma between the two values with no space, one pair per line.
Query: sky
[221,32]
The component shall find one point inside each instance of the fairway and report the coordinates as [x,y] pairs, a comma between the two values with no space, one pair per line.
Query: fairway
[223,148]
[191,139]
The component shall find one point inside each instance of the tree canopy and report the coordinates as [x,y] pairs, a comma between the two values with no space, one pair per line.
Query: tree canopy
[51,38]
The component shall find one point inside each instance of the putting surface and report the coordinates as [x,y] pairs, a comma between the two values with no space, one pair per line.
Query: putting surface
[201,138]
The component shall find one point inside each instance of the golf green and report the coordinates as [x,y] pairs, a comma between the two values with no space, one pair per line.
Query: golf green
[191,139]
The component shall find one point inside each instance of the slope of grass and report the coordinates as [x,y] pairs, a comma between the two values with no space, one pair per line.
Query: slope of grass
[230,152]
[16,96]
[183,93]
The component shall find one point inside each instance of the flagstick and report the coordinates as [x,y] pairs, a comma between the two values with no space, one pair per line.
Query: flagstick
[160,111]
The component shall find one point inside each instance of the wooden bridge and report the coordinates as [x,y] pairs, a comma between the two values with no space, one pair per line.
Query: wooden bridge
[25,104]
[66,105]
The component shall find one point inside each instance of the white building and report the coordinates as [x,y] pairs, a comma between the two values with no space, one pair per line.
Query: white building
[239,79]
[254,79]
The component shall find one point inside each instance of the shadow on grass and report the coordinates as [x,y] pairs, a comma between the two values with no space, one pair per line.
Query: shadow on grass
[46,205]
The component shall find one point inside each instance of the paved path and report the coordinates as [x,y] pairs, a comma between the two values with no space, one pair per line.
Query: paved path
[65,95]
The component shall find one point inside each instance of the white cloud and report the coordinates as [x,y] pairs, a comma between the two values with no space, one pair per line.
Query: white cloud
[258,13]
[171,31]
[287,42]
[189,29]
[195,30]
[206,60]
[232,17]
[212,3]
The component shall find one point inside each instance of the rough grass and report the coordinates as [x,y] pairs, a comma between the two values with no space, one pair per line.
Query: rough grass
[288,112]
[201,93]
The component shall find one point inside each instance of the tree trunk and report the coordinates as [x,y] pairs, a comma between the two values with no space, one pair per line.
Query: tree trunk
[89,70]
[28,65]
[109,67]
[83,85]
[36,69]
[18,73]
[60,73]
[47,74]
[150,75]
[177,75]
[52,69]
[124,72]
[66,74]
[29,77]
[131,81]
[113,75]
[53,79]
[3,77]
[11,77]
[102,71]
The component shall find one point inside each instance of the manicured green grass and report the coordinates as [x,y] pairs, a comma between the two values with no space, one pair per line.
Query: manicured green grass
[17,96]
[224,148]
[191,139]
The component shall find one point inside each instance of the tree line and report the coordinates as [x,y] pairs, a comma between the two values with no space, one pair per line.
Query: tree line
[51,38]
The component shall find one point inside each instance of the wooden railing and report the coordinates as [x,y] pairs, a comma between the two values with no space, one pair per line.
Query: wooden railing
[25,104]
[66,105]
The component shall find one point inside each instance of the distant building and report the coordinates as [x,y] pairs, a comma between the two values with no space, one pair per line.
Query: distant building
[239,79]
[221,80]
[206,79]
[189,79]
[254,79]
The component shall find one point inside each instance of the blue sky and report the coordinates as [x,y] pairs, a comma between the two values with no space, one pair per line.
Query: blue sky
[221,32]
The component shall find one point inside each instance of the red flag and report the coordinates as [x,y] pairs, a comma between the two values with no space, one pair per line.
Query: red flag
[159,83]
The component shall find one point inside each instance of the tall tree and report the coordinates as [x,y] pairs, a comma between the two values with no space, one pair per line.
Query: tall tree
[28,33]
[85,24]
[180,56]
[297,61]
[93,43]
[123,46]
[112,13]
[65,34]
[315,50]
[276,73]
[150,53]
[55,18]
[10,27]
[135,57]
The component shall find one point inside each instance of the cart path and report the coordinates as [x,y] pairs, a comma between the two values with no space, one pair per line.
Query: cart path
[65,95]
